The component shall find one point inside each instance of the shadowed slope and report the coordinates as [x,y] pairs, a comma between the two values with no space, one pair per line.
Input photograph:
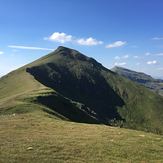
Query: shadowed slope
[74,87]
[109,96]
[79,78]
[80,83]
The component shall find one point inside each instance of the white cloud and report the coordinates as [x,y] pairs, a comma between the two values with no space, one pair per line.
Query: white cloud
[157,38]
[63,38]
[136,57]
[159,54]
[120,63]
[122,57]
[15,50]
[154,54]
[160,68]
[29,47]
[125,56]
[60,37]
[89,41]
[137,64]
[152,62]
[134,46]
[1,52]
[147,53]
[116,44]
[117,57]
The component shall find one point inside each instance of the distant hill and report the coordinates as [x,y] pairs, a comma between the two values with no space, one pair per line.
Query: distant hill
[71,86]
[141,78]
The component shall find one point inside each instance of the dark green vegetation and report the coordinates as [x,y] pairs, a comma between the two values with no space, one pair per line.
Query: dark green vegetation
[75,87]
[155,85]
[66,85]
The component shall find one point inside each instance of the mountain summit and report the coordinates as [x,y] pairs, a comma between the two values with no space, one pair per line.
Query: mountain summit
[72,86]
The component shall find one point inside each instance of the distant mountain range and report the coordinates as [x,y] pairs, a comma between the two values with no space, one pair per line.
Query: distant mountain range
[155,85]
[71,86]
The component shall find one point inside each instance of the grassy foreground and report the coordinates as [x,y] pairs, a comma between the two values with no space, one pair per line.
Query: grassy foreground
[37,137]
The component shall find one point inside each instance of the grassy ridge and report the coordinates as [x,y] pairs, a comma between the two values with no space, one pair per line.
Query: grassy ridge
[15,85]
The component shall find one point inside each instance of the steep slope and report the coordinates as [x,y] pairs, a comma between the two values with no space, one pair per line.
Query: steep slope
[141,78]
[71,86]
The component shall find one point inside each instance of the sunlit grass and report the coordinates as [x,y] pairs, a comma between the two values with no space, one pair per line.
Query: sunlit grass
[36,137]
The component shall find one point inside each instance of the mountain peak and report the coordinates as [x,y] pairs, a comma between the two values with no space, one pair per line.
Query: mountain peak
[62,48]
[64,55]
[74,54]
[77,88]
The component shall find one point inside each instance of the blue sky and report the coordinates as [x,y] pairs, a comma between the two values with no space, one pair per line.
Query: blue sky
[126,33]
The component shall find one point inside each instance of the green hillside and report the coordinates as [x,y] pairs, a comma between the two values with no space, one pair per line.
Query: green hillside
[41,102]
[155,85]
[71,86]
